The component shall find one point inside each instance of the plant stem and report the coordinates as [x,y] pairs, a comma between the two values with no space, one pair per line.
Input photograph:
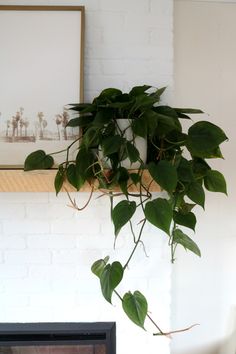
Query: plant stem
[136,244]
[155,324]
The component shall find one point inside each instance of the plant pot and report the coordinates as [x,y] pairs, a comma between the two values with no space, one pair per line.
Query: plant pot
[124,129]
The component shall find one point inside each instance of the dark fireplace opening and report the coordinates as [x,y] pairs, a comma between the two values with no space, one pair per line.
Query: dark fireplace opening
[58,338]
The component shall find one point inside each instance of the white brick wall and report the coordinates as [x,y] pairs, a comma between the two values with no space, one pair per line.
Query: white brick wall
[46,248]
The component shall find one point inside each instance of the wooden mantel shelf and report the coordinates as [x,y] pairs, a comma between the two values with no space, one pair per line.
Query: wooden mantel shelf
[43,181]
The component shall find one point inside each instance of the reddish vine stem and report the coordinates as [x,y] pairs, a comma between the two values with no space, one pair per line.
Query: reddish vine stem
[74,204]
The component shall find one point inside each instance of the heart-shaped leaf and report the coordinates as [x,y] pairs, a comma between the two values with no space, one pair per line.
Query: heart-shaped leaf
[110,277]
[132,152]
[112,144]
[164,173]
[196,193]
[122,213]
[135,306]
[182,239]
[214,181]
[185,219]
[204,137]
[38,160]
[73,178]
[159,213]
[139,126]
[99,266]
[59,179]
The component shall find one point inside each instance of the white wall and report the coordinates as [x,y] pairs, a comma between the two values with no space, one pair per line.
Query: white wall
[204,290]
[45,248]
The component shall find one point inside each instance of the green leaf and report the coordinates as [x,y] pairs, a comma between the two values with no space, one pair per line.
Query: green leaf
[139,90]
[167,124]
[103,117]
[112,144]
[135,177]
[204,137]
[122,213]
[184,170]
[183,116]
[159,213]
[122,179]
[72,177]
[158,93]
[182,239]
[143,102]
[83,107]
[200,167]
[90,138]
[167,111]
[188,110]
[84,162]
[214,181]
[139,126]
[59,179]
[196,193]
[110,93]
[110,278]
[38,160]
[164,173]
[151,120]
[99,266]
[132,151]
[135,306]
[186,207]
[187,220]
[80,121]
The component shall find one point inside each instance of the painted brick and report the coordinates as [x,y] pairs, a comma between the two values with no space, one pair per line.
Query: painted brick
[106,20]
[52,272]
[10,211]
[77,226]
[52,300]
[27,257]
[29,314]
[49,211]
[9,300]
[162,7]
[27,285]
[113,67]
[83,257]
[141,6]
[51,241]
[23,197]
[23,227]
[92,67]
[90,5]
[12,271]
[12,242]
[93,35]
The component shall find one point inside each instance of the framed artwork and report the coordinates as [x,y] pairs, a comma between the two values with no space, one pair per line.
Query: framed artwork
[41,72]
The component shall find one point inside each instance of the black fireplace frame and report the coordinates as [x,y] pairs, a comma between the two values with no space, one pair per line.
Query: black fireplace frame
[82,333]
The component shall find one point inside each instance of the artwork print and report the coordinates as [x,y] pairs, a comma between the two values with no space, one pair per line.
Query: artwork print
[40,74]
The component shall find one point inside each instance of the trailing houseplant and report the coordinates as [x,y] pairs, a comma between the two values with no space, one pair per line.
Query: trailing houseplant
[177,160]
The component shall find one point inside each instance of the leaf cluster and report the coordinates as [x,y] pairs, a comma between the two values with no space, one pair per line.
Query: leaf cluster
[177,160]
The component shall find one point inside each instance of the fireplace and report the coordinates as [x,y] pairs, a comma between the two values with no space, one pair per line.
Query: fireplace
[58,338]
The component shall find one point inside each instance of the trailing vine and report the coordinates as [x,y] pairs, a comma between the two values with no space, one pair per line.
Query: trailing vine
[176,161]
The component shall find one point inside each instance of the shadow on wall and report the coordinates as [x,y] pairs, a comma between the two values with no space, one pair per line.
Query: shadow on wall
[225,346]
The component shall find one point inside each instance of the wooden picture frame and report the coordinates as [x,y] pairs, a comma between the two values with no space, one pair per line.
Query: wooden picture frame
[41,71]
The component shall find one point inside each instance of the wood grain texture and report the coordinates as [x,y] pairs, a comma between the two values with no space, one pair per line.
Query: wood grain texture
[43,181]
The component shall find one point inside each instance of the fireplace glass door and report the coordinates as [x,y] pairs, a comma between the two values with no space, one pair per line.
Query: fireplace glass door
[55,349]
[58,338]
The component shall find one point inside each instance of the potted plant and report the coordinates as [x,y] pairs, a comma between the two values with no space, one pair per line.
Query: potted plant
[177,160]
